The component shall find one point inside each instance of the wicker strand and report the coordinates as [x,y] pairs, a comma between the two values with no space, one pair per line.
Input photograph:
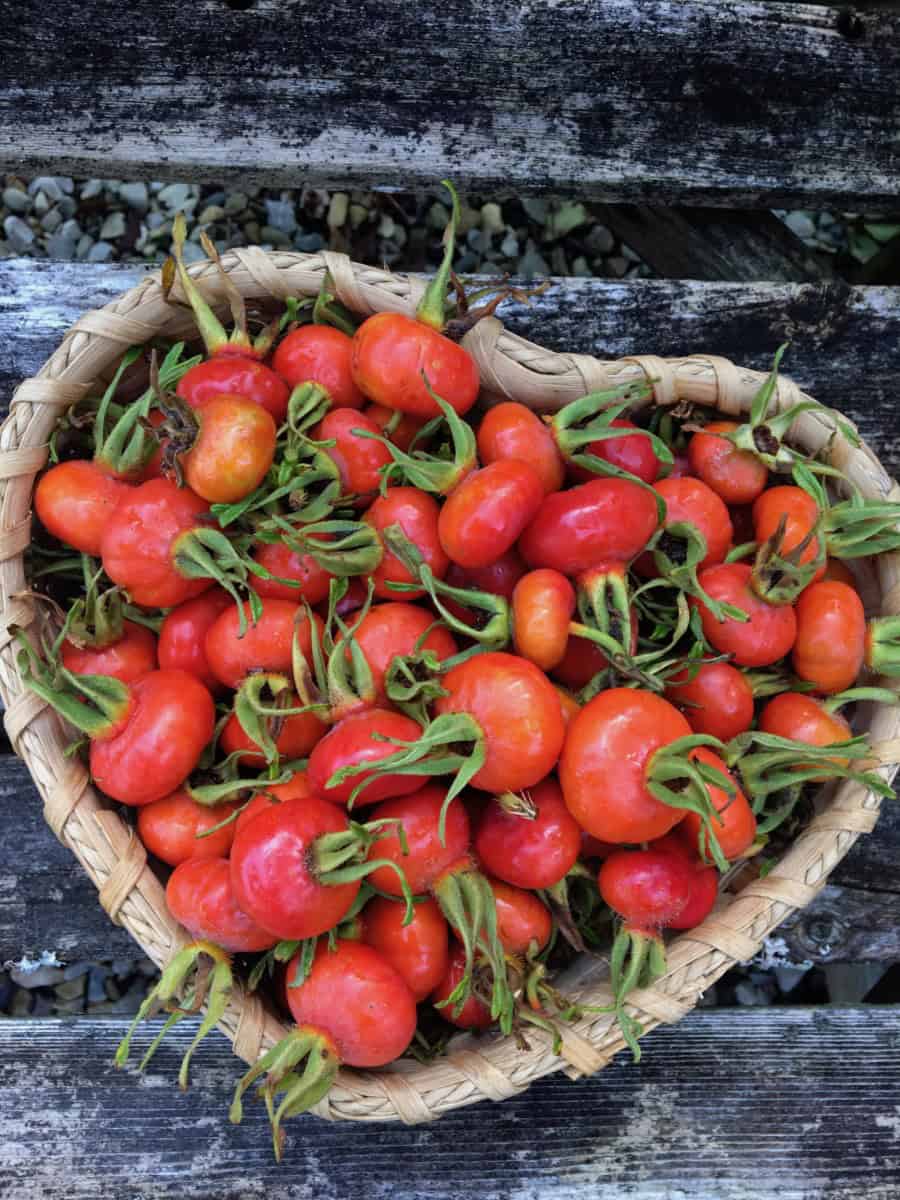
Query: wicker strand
[510,367]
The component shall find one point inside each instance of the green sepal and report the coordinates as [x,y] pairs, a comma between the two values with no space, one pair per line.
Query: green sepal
[131,444]
[491,623]
[435,752]
[353,548]
[778,576]
[429,472]
[467,901]
[343,857]
[883,645]
[215,337]
[670,765]
[97,618]
[92,703]
[205,553]
[678,554]
[763,435]
[211,985]
[306,1044]
[432,308]
[768,763]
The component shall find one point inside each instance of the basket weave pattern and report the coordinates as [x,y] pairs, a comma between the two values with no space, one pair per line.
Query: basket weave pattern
[513,368]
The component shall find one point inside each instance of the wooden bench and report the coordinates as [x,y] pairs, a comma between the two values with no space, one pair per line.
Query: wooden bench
[712,106]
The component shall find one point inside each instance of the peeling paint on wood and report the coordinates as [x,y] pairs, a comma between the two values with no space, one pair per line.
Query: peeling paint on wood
[707,101]
[776,1104]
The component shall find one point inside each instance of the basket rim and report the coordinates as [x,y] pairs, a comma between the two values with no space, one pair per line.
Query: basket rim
[511,368]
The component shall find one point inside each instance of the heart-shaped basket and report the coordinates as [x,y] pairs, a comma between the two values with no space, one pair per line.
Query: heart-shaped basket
[490,1067]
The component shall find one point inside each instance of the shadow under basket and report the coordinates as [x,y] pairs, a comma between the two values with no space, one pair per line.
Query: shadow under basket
[492,1066]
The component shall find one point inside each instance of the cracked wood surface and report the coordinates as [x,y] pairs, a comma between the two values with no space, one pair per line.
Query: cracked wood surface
[701,101]
[773,1104]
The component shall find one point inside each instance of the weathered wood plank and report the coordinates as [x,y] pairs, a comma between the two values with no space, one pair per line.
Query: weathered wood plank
[788,1103]
[717,244]
[705,101]
[48,906]
[845,341]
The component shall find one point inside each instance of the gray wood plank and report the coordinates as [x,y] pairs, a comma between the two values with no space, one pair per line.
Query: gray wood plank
[48,906]
[718,244]
[705,101]
[793,1104]
[845,341]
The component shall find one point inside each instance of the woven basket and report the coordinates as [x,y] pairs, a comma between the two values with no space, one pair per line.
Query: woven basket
[489,1067]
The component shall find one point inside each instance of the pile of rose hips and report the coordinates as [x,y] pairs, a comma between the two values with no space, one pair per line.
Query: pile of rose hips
[385,687]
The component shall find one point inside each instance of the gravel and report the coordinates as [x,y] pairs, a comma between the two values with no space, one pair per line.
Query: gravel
[111,220]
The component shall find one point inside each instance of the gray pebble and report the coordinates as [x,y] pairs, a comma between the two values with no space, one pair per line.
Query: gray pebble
[386,226]
[16,201]
[438,215]
[251,232]
[467,261]
[358,214]
[510,245]
[70,989]
[276,237]
[52,220]
[76,970]
[558,262]
[235,203]
[156,187]
[21,1004]
[631,255]
[93,188]
[18,233]
[212,212]
[338,210]
[62,244]
[536,209]
[801,224]
[113,227]
[280,216]
[96,991]
[122,966]
[67,184]
[42,203]
[68,206]
[618,265]
[309,243]
[216,198]
[84,247]
[154,220]
[492,218]
[177,197]
[600,240]
[582,267]
[48,185]
[135,195]
[531,263]
[39,977]
[100,252]
[43,1005]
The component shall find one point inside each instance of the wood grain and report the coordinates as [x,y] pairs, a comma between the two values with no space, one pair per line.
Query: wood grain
[718,244]
[707,101]
[845,341]
[776,1104]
